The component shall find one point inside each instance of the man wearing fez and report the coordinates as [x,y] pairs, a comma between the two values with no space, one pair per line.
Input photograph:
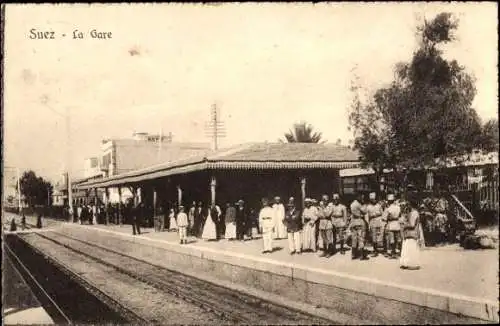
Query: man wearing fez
[326,226]
[198,219]
[309,217]
[279,216]
[339,219]
[137,216]
[358,228]
[266,222]
[182,224]
[241,219]
[294,226]
[391,216]
[374,218]
[191,214]
[231,231]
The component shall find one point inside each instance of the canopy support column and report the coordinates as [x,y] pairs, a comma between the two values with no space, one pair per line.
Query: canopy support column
[303,182]
[213,185]
[106,204]
[155,200]
[179,195]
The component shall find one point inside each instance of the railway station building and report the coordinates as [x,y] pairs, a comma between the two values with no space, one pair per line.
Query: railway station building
[248,171]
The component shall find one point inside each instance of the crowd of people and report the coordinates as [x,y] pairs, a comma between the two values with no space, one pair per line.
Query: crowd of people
[324,225]
[392,227]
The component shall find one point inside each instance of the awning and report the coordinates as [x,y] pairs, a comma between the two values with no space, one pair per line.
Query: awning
[138,176]
[253,156]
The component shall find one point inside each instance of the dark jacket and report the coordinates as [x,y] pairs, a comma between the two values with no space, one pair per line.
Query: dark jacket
[241,216]
[139,212]
[214,214]
[293,220]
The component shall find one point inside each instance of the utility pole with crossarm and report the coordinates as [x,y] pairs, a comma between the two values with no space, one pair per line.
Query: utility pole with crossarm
[215,127]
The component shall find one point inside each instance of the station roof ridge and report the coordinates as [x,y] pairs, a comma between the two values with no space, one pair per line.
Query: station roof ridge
[252,155]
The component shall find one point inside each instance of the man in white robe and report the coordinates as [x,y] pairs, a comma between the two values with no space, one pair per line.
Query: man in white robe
[309,218]
[279,216]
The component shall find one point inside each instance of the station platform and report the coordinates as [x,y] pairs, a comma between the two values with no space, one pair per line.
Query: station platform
[451,280]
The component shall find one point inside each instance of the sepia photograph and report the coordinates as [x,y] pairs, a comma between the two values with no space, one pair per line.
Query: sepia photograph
[273,163]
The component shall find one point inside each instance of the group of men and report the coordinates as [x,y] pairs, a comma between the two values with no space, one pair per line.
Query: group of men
[89,214]
[325,224]
[322,224]
[435,221]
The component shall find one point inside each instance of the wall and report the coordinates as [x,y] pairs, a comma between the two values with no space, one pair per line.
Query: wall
[132,154]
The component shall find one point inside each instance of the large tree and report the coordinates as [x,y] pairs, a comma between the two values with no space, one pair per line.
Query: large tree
[302,132]
[489,136]
[36,190]
[424,114]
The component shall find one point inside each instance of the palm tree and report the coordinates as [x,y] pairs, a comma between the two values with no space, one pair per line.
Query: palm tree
[302,132]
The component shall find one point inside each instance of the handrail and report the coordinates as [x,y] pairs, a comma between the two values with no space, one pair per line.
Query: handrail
[462,206]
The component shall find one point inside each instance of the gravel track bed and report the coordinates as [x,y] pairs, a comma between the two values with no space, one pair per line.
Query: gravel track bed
[249,309]
[145,300]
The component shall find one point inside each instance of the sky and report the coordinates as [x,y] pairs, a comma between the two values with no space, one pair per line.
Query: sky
[266,66]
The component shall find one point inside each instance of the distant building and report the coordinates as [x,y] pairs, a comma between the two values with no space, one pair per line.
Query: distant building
[476,172]
[91,167]
[123,155]
[10,188]
[143,150]
[458,174]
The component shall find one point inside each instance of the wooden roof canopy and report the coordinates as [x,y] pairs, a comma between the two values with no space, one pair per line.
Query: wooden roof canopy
[254,156]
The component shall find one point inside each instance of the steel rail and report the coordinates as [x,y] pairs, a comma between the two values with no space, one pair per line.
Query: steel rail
[125,312]
[187,294]
[225,311]
[52,301]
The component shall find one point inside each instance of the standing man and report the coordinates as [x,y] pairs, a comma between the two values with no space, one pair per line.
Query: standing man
[232,227]
[294,226]
[266,222]
[79,213]
[441,219]
[137,216]
[326,226]
[309,217]
[253,223]
[240,215]
[374,219]
[23,221]
[358,228]
[191,212]
[339,219]
[279,216]
[94,213]
[391,216]
[182,224]
[158,219]
[198,219]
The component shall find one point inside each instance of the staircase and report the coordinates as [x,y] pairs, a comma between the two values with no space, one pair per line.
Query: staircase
[463,222]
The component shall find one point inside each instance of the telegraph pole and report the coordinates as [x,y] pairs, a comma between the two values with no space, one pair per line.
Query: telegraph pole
[68,163]
[215,127]
[19,189]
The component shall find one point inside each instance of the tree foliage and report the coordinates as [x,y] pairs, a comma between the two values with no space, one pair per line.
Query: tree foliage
[36,190]
[424,114]
[489,136]
[302,132]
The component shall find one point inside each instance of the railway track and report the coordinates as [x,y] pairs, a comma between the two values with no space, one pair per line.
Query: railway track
[48,302]
[232,306]
[65,295]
